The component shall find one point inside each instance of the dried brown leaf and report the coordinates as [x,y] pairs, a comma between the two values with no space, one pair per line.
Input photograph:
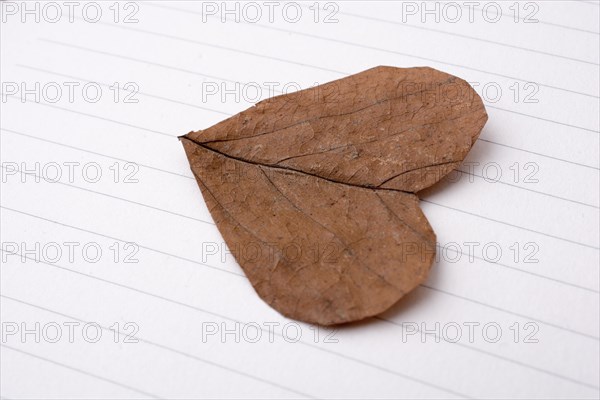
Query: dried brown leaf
[314,191]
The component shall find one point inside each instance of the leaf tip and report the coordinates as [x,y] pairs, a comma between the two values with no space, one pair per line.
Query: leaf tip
[185,136]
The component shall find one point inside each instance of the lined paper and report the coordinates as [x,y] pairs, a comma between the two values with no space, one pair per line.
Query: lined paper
[115,282]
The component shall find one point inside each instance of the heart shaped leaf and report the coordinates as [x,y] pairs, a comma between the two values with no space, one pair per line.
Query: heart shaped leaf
[313,191]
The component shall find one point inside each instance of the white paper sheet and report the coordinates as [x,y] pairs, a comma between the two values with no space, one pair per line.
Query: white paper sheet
[105,234]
